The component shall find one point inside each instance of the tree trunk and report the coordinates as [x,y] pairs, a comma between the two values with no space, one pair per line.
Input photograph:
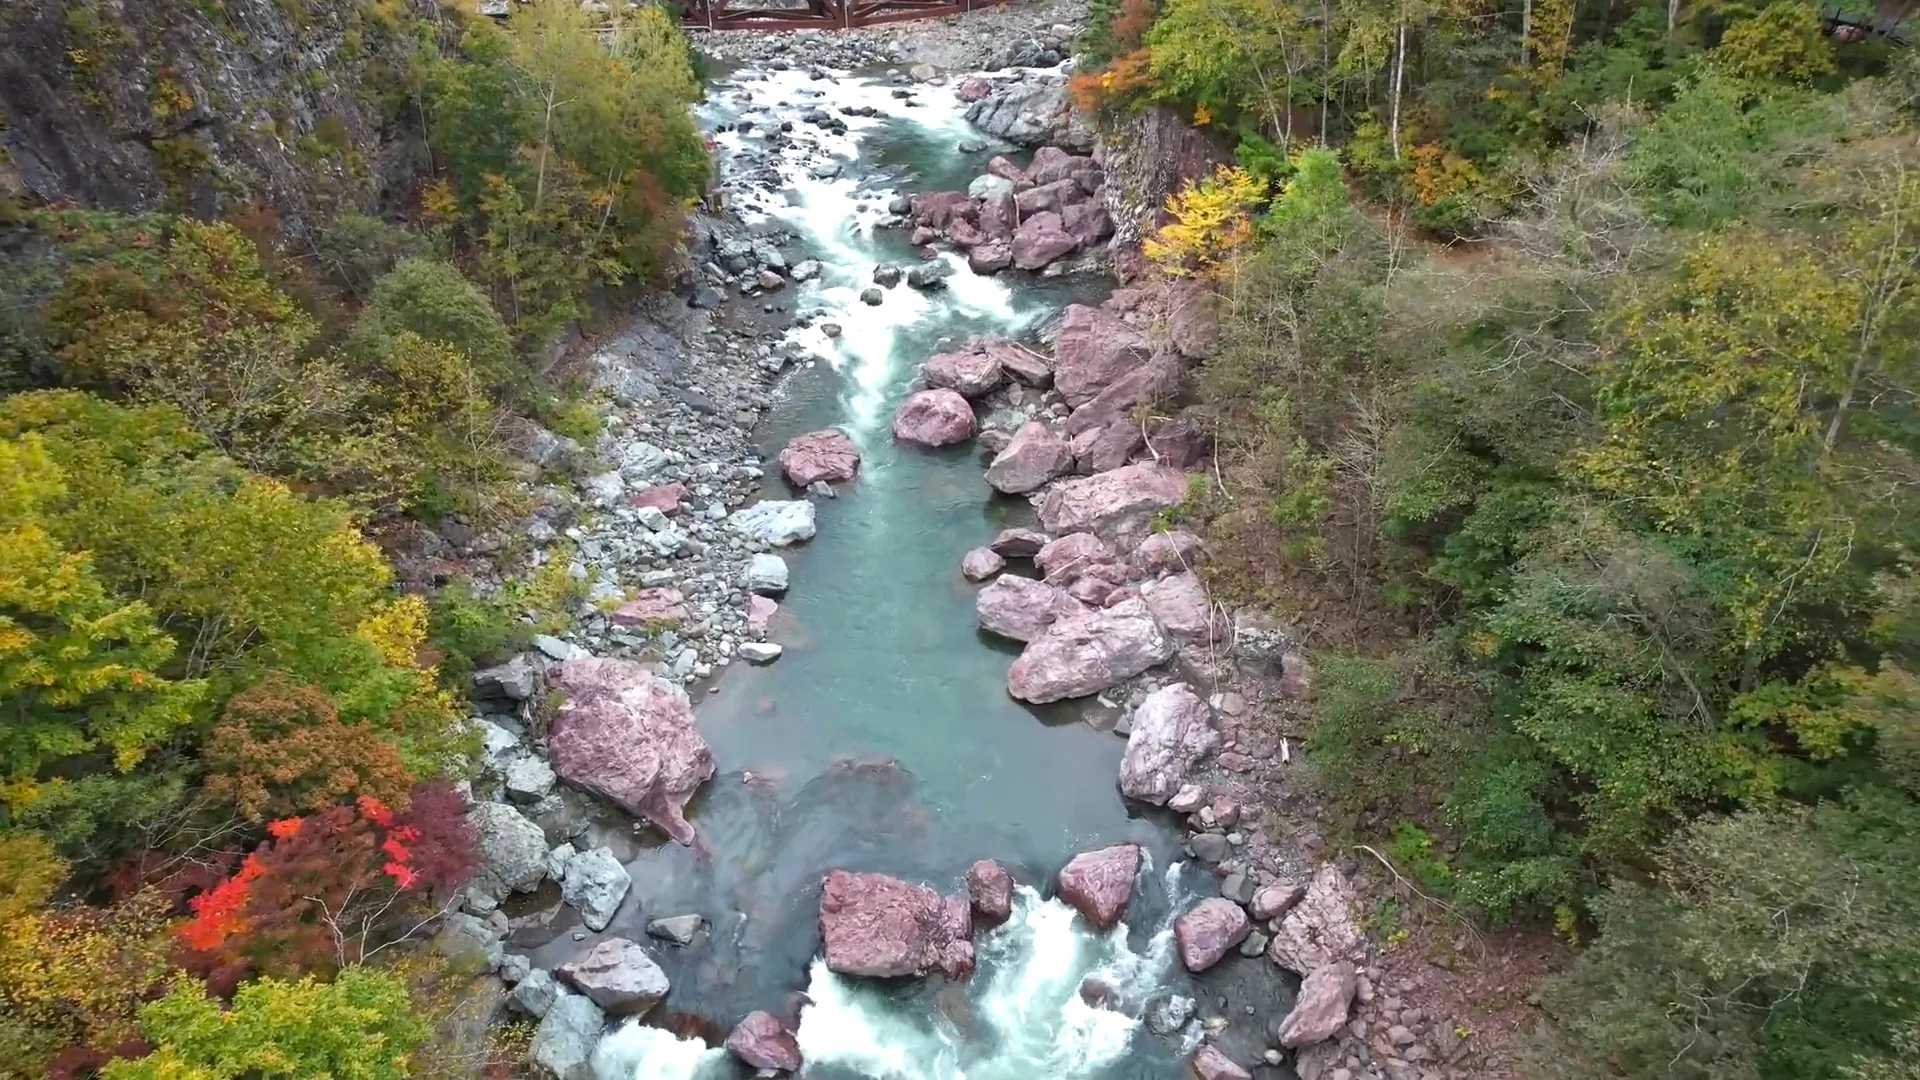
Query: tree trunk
[1399,74]
[1526,32]
[546,145]
[1326,64]
[1673,17]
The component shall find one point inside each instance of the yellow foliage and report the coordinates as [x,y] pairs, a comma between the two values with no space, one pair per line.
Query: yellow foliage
[1785,41]
[398,628]
[1439,174]
[1210,222]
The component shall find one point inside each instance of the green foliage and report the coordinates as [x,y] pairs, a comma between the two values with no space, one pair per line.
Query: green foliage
[433,301]
[474,631]
[357,250]
[1708,157]
[361,1026]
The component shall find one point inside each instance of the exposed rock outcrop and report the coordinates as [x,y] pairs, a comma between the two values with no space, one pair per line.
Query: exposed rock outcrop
[626,735]
[1099,884]
[883,927]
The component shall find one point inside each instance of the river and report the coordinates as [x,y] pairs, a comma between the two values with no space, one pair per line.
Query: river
[884,738]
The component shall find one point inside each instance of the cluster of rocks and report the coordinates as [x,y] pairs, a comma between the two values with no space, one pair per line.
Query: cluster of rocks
[1028,218]
[1034,34]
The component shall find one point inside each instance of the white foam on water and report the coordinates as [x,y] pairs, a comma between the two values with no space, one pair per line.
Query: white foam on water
[1028,1018]
[836,217]
[637,1052]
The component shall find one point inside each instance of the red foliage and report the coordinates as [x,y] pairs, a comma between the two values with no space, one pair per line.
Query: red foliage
[330,888]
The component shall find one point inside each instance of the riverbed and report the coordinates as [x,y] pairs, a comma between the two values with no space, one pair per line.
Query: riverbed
[884,738]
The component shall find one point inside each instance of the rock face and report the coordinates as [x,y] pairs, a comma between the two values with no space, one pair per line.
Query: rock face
[990,888]
[1320,1012]
[1210,1064]
[1180,605]
[563,1044]
[1209,931]
[595,883]
[820,455]
[1172,732]
[1017,607]
[1120,503]
[1320,929]
[512,850]
[775,522]
[971,373]
[1087,653]
[627,736]
[934,418]
[1032,112]
[883,927]
[1098,884]
[1190,319]
[763,1042]
[1093,350]
[618,976]
[1033,459]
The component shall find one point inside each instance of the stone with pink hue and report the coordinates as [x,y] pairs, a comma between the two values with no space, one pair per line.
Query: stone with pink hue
[627,735]
[1274,901]
[1050,163]
[1093,350]
[972,90]
[1166,552]
[1191,323]
[820,455]
[1018,543]
[939,209]
[1180,605]
[968,372]
[1209,1063]
[1120,503]
[1087,653]
[760,612]
[990,887]
[1005,169]
[1033,459]
[990,257]
[1041,239]
[1017,607]
[882,927]
[1027,367]
[1098,884]
[1104,449]
[653,608]
[1067,558]
[1056,197]
[934,418]
[1210,930]
[1320,1011]
[981,563]
[1087,222]
[763,1042]
[665,498]
[1320,930]
[1172,732]
[1147,386]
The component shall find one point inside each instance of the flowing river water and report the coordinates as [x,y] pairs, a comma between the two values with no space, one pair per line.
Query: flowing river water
[884,738]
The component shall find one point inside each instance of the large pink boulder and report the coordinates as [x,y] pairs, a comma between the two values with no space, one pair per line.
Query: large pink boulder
[760,612]
[939,209]
[1107,448]
[1147,386]
[763,1042]
[1040,240]
[1034,457]
[1092,350]
[1120,503]
[627,735]
[1087,222]
[1191,323]
[1320,1011]
[1165,552]
[990,888]
[969,372]
[1026,366]
[1172,732]
[1208,931]
[1069,557]
[972,90]
[883,927]
[820,455]
[1056,196]
[934,418]
[1099,883]
[1019,543]
[1320,929]
[653,608]
[1017,607]
[990,257]
[1210,1064]
[1050,163]
[665,498]
[999,217]
[1180,605]
[981,563]
[1085,654]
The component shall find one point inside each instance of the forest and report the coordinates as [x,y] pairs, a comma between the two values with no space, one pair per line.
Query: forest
[1566,391]
[231,744]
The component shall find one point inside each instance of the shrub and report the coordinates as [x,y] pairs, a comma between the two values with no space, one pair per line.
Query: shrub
[281,749]
[1212,220]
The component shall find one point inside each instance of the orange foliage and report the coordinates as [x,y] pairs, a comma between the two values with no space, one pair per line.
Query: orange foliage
[1128,30]
[282,749]
[1439,174]
[1125,80]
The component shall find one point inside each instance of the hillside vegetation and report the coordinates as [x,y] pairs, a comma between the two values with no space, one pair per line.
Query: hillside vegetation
[228,745]
[1566,393]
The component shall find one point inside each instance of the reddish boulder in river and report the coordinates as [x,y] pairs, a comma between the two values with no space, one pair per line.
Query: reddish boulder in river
[1018,543]
[969,372]
[820,455]
[1065,559]
[1085,654]
[934,418]
[1172,732]
[1209,931]
[981,563]
[1040,240]
[627,735]
[990,257]
[990,888]
[972,90]
[1093,350]
[883,927]
[1098,884]
[1017,607]
[763,1042]
[1210,1064]
[1120,503]
[1034,457]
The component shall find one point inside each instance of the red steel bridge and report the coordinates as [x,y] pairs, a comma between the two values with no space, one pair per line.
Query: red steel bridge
[819,14]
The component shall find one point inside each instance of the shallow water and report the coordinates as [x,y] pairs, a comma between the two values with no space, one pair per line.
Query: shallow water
[884,738]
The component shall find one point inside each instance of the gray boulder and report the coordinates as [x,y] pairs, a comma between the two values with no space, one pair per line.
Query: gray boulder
[512,850]
[679,929]
[563,1044]
[595,883]
[512,681]
[528,779]
[618,976]
[766,574]
[775,522]
[1172,732]
[536,993]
